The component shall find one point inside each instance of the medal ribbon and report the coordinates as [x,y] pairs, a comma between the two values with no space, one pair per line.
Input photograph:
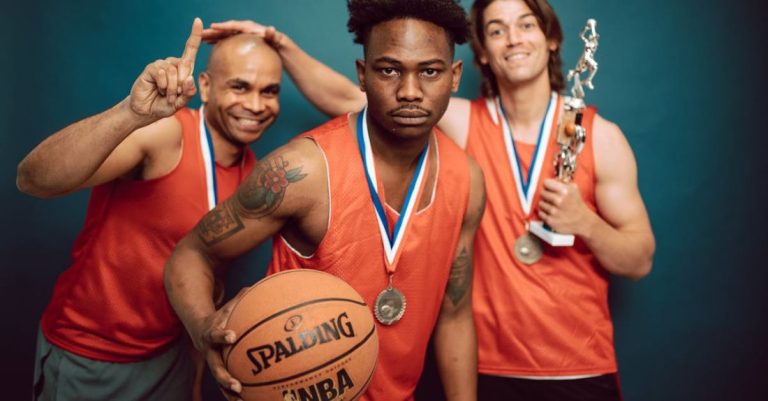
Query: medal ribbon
[206,148]
[527,190]
[392,241]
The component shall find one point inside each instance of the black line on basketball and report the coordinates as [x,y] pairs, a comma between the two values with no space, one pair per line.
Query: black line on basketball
[332,361]
[276,314]
[367,381]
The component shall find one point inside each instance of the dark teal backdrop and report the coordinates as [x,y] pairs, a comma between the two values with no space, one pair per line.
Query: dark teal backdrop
[684,79]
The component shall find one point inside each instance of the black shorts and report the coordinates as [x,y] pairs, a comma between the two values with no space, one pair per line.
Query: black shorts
[599,388]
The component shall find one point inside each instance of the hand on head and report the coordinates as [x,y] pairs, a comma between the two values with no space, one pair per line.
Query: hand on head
[167,85]
[223,30]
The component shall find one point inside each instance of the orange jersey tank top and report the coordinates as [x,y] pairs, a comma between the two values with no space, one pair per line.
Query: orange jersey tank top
[550,318]
[110,304]
[352,249]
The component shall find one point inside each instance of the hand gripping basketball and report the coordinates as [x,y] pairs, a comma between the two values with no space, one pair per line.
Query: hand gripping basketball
[210,337]
[301,335]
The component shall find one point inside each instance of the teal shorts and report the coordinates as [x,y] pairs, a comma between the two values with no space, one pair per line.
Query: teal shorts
[64,376]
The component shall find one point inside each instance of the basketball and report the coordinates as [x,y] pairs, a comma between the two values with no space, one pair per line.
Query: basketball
[302,335]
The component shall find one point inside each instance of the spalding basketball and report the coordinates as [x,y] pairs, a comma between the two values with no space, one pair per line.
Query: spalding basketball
[302,335]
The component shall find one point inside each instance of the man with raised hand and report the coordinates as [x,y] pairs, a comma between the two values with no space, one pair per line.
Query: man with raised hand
[344,186]
[543,323]
[155,167]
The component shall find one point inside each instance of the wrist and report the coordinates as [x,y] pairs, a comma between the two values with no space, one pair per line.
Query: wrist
[590,225]
[131,117]
[285,45]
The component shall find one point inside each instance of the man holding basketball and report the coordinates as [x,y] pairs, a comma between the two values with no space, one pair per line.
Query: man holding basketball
[155,167]
[332,196]
[543,323]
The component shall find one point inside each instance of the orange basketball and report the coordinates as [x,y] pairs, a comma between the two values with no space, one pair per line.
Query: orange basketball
[303,335]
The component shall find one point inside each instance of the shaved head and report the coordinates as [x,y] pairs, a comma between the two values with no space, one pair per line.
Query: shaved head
[240,88]
[237,46]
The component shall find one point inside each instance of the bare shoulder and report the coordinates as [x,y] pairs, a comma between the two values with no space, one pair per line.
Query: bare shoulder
[455,121]
[288,181]
[613,155]
[158,138]
[476,204]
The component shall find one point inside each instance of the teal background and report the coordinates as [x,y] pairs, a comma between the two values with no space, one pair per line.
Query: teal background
[684,79]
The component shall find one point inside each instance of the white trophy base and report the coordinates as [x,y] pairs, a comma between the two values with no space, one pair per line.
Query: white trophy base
[551,237]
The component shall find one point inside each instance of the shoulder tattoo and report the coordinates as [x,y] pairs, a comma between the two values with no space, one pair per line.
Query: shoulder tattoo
[263,192]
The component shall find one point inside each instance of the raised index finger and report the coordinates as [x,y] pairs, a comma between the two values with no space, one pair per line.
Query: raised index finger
[190,49]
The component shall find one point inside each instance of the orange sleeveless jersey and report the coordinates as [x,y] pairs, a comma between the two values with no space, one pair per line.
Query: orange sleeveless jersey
[352,249]
[110,304]
[546,319]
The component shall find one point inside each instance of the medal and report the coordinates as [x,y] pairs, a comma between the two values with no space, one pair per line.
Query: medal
[390,305]
[528,249]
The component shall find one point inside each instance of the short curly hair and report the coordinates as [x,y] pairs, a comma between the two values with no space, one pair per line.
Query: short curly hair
[447,14]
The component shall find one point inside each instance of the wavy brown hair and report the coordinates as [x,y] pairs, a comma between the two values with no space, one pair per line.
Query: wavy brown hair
[549,24]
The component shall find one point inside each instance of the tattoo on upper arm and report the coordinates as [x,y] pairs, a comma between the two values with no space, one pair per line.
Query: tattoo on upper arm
[460,277]
[220,223]
[263,192]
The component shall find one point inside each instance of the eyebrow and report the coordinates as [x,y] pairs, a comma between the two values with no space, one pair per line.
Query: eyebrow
[238,81]
[272,87]
[498,21]
[391,60]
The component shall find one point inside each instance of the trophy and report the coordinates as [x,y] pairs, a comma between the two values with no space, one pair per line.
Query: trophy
[571,135]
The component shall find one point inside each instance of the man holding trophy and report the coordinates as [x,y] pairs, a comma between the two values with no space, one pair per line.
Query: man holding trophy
[541,296]
[552,233]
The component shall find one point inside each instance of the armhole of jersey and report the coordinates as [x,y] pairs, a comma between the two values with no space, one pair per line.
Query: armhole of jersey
[177,164]
[437,178]
[330,208]
[593,114]
[490,103]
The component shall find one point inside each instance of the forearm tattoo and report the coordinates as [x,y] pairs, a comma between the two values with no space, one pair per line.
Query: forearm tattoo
[220,223]
[460,277]
[263,192]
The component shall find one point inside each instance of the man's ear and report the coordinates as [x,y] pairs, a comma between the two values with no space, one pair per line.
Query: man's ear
[457,68]
[552,45]
[205,86]
[360,64]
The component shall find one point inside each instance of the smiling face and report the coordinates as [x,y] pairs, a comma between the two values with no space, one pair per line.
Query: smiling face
[240,89]
[515,47]
[408,76]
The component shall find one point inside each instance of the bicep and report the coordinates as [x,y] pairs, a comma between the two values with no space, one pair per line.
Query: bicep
[271,195]
[616,192]
[154,142]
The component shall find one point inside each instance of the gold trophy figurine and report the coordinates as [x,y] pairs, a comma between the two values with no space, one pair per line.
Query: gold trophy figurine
[571,135]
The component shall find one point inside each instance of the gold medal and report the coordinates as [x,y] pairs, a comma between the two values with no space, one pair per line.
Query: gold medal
[528,249]
[390,306]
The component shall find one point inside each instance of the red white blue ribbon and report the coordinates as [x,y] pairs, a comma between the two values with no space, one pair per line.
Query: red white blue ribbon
[526,189]
[209,160]
[392,242]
